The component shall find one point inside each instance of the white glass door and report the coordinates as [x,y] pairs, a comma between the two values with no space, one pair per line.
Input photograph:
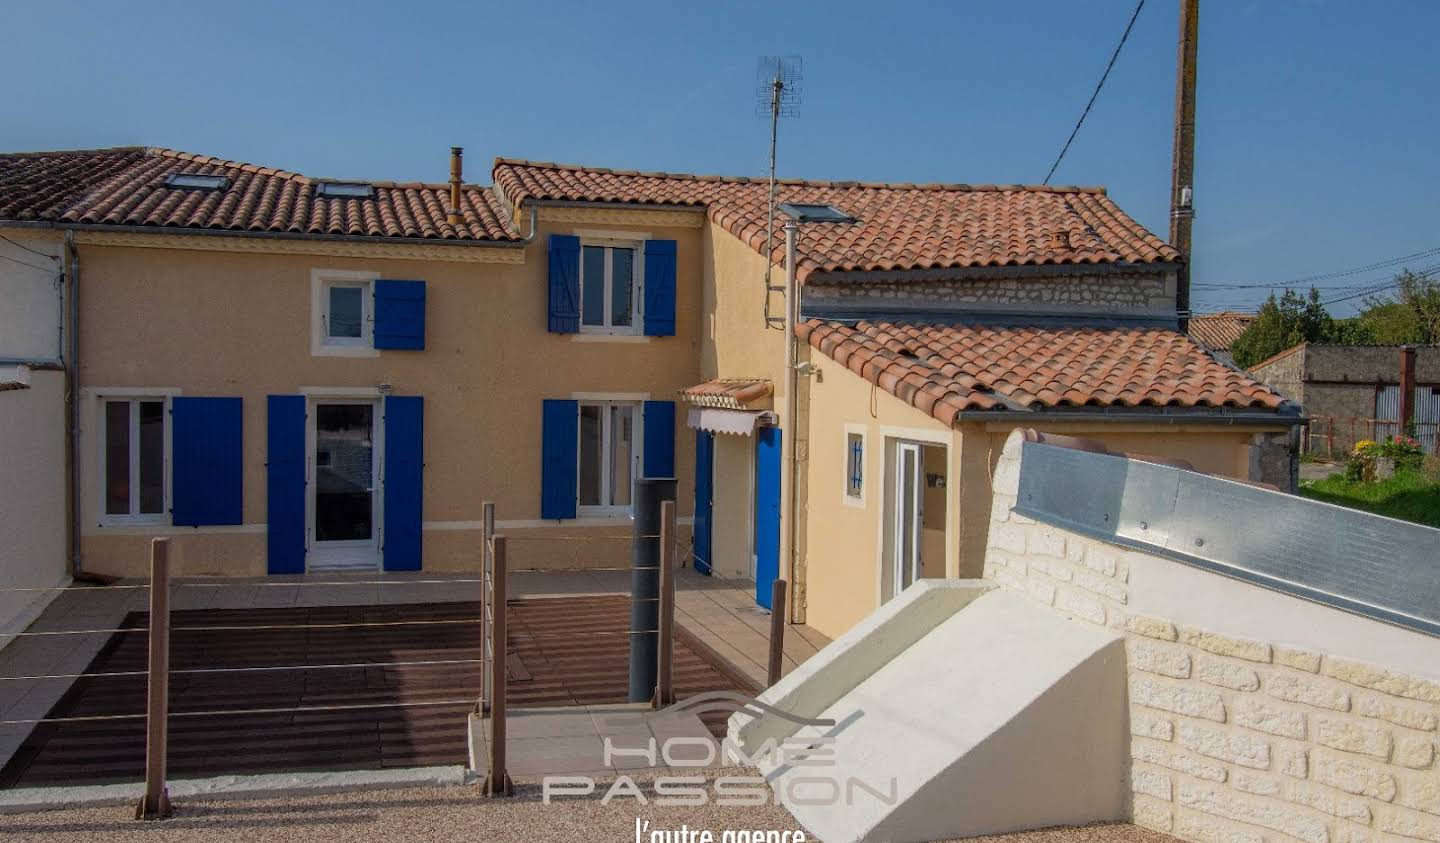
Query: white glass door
[909,515]
[344,507]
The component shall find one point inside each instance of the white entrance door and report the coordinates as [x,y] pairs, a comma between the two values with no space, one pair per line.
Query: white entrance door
[909,515]
[344,483]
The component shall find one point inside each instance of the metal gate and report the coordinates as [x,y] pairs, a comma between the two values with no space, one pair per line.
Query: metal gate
[1426,418]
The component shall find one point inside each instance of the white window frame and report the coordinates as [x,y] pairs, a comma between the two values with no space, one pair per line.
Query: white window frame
[845,497]
[134,399]
[637,283]
[637,456]
[321,343]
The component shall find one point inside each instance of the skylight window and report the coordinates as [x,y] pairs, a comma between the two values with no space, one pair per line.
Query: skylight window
[344,190]
[814,213]
[196,181]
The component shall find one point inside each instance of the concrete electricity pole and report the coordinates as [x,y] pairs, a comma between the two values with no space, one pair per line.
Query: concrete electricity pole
[1182,174]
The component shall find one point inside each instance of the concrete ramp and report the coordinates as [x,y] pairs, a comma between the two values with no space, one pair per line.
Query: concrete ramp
[993,716]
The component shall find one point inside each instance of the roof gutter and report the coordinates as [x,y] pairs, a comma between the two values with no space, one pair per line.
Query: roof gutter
[633,206]
[268,235]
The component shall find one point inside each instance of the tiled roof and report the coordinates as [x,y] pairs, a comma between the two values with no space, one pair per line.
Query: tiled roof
[1216,331]
[730,393]
[945,370]
[127,187]
[898,226]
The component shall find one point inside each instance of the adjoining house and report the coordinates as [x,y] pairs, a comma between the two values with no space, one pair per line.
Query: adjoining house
[33,425]
[289,374]
[1356,392]
[1217,331]
[246,332]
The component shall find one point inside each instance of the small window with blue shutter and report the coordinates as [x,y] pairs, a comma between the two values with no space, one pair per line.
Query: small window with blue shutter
[611,285]
[594,450]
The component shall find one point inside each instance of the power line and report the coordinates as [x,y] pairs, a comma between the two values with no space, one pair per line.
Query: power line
[27,263]
[1309,279]
[27,248]
[1106,75]
[1350,292]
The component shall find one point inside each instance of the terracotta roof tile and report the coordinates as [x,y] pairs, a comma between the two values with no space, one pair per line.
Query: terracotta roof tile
[1216,331]
[127,187]
[948,369]
[731,393]
[898,226]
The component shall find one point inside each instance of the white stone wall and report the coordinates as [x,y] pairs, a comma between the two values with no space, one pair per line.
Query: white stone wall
[1237,740]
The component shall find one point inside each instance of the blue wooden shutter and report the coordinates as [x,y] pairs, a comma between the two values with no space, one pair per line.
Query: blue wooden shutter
[704,499]
[659,439]
[400,315]
[564,284]
[559,460]
[660,288]
[404,475]
[207,459]
[285,483]
[767,514]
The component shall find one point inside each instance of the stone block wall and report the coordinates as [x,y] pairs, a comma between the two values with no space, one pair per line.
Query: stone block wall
[1131,294]
[1237,740]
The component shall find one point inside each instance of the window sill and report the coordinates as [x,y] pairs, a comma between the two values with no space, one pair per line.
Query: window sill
[601,336]
[139,521]
[344,351]
[603,513]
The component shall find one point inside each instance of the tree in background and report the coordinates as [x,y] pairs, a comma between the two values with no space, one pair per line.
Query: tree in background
[1411,317]
[1283,323]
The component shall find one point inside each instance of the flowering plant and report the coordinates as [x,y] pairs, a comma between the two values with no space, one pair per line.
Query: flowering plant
[1403,451]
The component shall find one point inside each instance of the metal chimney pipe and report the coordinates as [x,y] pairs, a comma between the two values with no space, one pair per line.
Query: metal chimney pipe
[456,167]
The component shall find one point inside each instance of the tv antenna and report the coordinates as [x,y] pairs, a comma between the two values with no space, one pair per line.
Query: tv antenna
[777,94]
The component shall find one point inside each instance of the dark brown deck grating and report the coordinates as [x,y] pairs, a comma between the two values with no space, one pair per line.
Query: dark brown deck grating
[570,651]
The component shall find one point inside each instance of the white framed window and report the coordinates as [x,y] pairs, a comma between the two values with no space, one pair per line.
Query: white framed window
[342,304]
[610,295]
[854,465]
[609,456]
[134,459]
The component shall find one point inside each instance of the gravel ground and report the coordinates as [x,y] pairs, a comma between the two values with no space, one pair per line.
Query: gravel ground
[426,814]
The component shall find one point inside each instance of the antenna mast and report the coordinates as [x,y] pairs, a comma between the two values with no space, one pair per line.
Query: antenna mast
[777,95]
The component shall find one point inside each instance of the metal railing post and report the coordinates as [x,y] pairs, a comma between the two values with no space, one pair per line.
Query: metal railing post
[664,676]
[486,604]
[155,804]
[498,783]
[777,632]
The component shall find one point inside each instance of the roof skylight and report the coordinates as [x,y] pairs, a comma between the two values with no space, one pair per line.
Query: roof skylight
[814,213]
[344,189]
[196,181]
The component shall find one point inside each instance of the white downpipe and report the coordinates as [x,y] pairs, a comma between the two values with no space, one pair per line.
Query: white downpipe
[790,426]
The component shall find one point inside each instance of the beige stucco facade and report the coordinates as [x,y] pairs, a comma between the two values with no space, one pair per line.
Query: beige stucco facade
[211,322]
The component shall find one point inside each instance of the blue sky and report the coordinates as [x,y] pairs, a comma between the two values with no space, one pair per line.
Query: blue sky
[1316,140]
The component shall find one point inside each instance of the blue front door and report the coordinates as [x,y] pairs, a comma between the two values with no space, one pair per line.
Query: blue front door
[704,497]
[767,513]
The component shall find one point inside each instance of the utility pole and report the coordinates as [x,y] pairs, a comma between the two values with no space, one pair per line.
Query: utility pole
[1182,173]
